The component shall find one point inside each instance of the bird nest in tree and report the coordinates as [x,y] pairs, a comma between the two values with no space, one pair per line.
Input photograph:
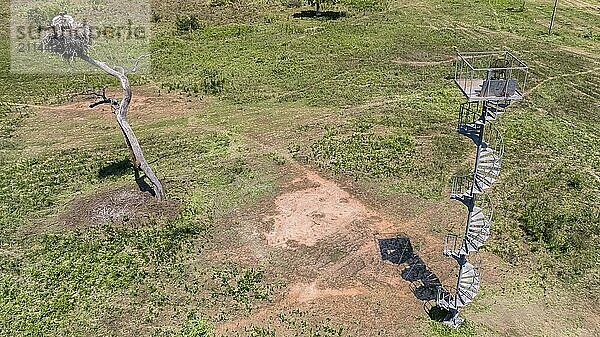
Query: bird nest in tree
[67,38]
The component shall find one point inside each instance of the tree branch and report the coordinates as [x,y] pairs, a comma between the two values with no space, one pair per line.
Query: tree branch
[137,62]
[71,39]
[122,108]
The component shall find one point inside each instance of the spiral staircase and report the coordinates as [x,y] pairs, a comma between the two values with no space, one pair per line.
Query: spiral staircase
[476,117]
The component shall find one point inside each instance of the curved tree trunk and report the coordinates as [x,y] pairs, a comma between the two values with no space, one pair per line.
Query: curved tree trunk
[133,144]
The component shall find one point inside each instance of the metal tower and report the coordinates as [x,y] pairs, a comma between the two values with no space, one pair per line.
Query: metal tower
[490,81]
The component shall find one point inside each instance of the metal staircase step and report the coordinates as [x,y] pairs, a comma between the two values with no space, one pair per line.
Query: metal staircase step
[445,299]
[468,285]
[491,164]
[478,229]
[469,130]
[488,172]
[482,182]
[486,180]
[479,225]
[489,154]
[473,243]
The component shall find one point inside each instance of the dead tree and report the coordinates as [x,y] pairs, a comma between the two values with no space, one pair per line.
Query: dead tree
[70,39]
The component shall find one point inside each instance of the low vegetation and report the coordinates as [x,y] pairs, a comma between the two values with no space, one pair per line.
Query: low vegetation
[377,83]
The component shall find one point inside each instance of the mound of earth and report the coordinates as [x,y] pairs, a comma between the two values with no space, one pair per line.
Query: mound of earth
[116,205]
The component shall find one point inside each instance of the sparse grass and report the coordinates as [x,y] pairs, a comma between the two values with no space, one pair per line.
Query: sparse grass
[243,286]
[262,332]
[388,125]
[363,153]
[440,330]
[298,320]
[11,118]
[193,327]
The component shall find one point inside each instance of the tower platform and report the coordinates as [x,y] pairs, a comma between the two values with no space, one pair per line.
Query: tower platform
[490,76]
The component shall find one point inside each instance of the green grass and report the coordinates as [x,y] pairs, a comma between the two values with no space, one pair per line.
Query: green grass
[373,117]
[193,327]
[363,153]
[67,278]
[243,286]
[440,330]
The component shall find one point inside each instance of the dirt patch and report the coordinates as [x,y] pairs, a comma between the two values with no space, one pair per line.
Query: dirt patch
[146,103]
[308,215]
[117,205]
[303,292]
[76,124]
[322,241]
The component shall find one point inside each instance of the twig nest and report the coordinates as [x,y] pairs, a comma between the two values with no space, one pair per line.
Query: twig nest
[66,37]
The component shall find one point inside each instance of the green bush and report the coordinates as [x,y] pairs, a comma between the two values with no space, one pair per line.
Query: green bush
[187,24]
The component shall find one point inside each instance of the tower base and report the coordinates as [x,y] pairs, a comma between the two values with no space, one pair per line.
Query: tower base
[453,320]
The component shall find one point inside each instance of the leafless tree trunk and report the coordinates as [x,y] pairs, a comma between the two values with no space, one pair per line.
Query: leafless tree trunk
[71,40]
[120,110]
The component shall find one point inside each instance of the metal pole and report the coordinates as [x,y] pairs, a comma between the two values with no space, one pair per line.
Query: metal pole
[553,15]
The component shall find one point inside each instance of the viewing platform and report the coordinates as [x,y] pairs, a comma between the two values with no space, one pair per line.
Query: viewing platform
[490,76]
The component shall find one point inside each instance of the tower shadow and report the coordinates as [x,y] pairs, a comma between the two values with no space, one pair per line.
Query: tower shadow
[424,283]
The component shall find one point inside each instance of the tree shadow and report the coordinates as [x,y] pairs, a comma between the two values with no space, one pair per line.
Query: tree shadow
[325,15]
[115,169]
[143,185]
[424,283]
[124,167]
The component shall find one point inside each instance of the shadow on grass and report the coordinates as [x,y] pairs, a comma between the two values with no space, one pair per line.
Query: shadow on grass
[115,169]
[437,314]
[123,167]
[326,15]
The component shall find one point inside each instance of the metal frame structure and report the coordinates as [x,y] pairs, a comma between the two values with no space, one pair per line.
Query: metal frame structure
[489,90]
[486,76]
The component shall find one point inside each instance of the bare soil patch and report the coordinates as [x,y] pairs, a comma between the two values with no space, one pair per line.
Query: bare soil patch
[116,205]
[323,242]
[308,215]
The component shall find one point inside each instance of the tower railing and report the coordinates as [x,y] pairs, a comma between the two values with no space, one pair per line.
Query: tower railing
[490,81]
[486,76]
[461,188]
[492,139]
[469,113]
[452,244]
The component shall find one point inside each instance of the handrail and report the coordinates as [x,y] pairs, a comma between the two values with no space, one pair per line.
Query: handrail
[473,123]
[507,54]
[461,184]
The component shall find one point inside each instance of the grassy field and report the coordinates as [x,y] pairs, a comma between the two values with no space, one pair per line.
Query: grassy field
[238,101]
